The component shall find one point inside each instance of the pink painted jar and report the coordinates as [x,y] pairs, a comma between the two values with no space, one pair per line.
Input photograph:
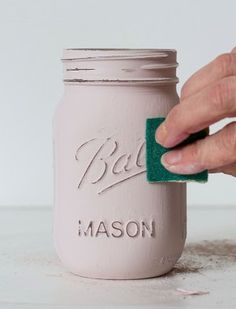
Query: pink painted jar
[109,222]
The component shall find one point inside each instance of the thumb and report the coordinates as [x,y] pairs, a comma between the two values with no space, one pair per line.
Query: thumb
[214,151]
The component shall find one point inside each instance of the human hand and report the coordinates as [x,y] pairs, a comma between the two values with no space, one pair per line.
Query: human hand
[207,97]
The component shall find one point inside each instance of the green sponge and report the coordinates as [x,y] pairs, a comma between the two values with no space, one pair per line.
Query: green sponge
[155,170]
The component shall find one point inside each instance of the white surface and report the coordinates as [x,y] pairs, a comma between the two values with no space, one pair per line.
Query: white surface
[33,277]
[33,34]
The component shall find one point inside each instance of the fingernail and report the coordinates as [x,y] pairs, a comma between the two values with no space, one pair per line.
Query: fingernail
[163,138]
[172,161]
[161,134]
[168,141]
[171,157]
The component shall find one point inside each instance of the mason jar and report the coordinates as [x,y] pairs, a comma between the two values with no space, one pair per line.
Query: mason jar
[109,221]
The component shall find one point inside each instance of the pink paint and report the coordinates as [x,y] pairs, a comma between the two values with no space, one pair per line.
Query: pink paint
[109,222]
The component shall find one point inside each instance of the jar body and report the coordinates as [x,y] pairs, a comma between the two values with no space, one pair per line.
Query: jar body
[109,222]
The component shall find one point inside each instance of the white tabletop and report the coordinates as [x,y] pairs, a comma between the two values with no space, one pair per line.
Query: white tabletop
[31,275]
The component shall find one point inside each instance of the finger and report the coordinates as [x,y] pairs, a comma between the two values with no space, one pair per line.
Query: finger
[198,111]
[229,169]
[221,67]
[212,152]
[233,50]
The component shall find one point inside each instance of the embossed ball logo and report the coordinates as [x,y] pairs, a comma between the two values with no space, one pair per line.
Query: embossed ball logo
[102,161]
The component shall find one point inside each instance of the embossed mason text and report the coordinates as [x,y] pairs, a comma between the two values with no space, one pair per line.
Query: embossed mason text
[116,228]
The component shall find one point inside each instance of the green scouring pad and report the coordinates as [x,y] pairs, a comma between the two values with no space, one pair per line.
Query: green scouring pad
[155,170]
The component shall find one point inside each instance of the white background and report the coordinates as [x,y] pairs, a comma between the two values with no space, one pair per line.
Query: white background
[33,34]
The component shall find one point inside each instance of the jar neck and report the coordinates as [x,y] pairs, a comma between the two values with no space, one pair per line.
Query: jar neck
[120,66]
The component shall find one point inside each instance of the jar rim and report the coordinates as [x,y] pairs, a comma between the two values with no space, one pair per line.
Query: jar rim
[79,54]
[119,66]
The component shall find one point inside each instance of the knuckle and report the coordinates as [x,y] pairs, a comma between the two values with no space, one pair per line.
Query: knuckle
[221,96]
[228,142]
[224,63]
[199,153]
[194,151]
